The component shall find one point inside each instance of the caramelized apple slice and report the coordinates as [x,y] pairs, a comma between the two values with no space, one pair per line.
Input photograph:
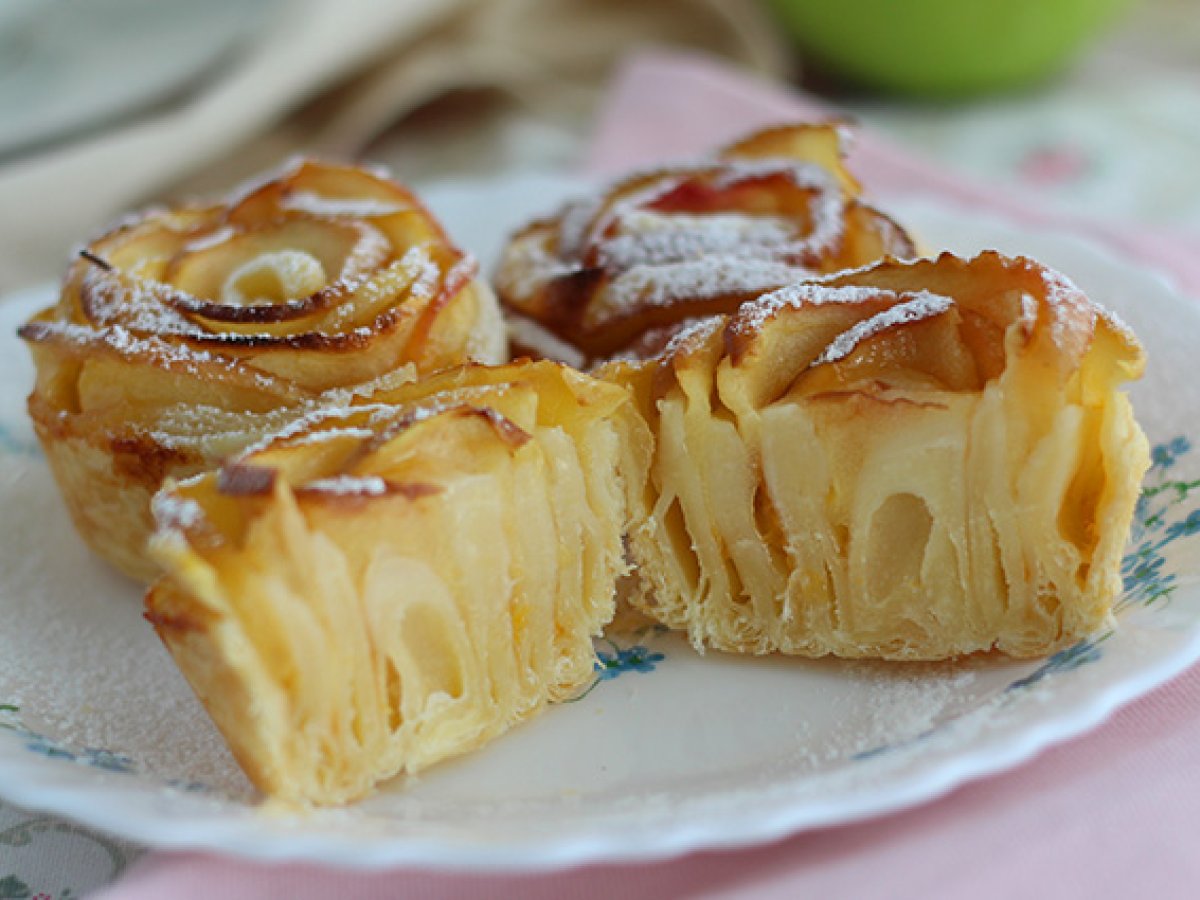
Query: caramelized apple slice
[620,272]
[171,327]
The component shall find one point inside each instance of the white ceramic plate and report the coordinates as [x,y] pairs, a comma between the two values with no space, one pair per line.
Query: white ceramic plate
[669,752]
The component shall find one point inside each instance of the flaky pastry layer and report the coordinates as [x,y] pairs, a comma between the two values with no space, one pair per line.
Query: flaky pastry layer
[383,586]
[908,461]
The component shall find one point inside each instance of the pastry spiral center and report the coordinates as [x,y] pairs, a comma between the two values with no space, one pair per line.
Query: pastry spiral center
[273,278]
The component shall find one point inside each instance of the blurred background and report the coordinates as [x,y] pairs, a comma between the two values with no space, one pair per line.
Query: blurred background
[1092,105]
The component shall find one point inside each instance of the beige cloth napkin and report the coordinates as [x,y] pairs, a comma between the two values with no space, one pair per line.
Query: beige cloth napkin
[332,76]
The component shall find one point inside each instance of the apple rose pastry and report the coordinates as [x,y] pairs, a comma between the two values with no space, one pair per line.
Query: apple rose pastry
[185,334]
[620,272]
[907,461]
[383,586]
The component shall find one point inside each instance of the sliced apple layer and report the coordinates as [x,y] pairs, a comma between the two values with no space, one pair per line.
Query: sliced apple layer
[177,334]
[619,272]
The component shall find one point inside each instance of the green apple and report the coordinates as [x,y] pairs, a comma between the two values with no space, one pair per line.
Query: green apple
[942,48]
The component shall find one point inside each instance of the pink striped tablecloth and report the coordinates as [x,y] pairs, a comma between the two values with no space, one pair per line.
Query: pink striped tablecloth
[1111,814]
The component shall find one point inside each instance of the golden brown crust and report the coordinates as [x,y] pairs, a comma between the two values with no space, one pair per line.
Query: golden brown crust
[184,334]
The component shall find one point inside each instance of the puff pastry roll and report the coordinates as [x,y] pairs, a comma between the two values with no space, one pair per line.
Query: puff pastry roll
[619,272]
[383,586]
[908,461]
[180,335]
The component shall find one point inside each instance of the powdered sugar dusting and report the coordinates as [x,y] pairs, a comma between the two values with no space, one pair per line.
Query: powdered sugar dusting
[371,250]
[1029,310]
[1117,324]
[649,238]
[898,706]
[1062,294]
[214,238]
[174,356]
[917,307]
[83,666]
[529,264]
[641,236]
[574,221]
[370,485]
[144,305]
[802,174]
[752,316]
[317,421]
[424,272]
[657,258]
[695,331]
[328,435]
[700,279]
[666,340]
[174,512]
[1061,297]
[359,207]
